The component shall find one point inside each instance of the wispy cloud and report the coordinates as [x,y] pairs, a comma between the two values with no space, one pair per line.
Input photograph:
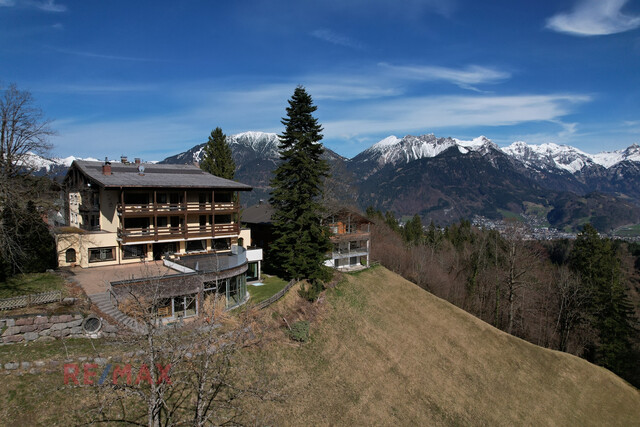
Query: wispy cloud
[50,6]
[594,18]
[351,115]
[103,56]
[97,88]
[47,5]
[426,113]
[337,39]
[465,78]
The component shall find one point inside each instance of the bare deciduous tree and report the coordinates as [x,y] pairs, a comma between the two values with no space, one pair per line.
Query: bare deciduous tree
[23,130]
[192,377]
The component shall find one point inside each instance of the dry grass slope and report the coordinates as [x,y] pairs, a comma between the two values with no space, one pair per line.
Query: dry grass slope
[390,353]
[385,353]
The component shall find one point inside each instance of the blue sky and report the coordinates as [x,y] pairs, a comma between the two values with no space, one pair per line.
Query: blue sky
[152,78]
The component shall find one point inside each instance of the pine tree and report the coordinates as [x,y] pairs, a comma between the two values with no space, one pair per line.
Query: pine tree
[217,158]
[610,310]
[413,230]
[300,241]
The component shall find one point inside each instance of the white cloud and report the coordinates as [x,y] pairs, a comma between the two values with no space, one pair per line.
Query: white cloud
[426,113]
[50,6]
[594,18]
[337,39]
[102,56]
[465,78]
[46,5]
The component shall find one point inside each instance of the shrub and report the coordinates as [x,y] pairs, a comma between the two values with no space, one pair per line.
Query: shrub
[299,331]
[311,290]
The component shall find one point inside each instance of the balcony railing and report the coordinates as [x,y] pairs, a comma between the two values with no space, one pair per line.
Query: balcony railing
[182,232]
[213,262]
[151,208]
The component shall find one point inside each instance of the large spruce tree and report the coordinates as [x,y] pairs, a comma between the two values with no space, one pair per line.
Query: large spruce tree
[217,158]
[301,242]
[610,311]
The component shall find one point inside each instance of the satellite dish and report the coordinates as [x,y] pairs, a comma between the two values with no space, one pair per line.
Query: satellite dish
[141,169]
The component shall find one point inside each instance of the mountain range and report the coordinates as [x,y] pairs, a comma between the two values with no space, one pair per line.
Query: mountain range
[444,179]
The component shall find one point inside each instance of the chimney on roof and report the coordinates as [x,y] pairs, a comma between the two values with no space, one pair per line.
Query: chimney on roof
[106,168]
[123,159]
[137,160]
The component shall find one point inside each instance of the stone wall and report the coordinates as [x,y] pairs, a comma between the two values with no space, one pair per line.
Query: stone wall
[46,328]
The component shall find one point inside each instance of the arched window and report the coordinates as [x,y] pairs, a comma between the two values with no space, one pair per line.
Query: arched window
[70,255]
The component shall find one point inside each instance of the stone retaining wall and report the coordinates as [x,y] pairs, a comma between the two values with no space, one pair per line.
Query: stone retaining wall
[46,328]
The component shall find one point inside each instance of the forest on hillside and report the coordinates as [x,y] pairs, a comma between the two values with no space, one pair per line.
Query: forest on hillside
[580,297]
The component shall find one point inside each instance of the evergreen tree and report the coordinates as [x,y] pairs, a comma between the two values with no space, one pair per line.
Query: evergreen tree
[300,241]
[413,230]
[391,221]
[217,158]
[611,314]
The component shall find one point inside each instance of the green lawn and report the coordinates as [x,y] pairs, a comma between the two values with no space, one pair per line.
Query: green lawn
[628,231]
[32,283]
[271,286]
[509,215]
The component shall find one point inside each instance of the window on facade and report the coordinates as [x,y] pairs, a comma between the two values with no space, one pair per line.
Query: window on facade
[237,290]
[204,198]
[222,219]
[70,255]
[162,221]
[222,197]
[136,198]
[196,245]
[102,254]
[252,271]
[136,223]
[178,307]
[161,198]
[221,244]
[175,221]
[175,198]
[134,251]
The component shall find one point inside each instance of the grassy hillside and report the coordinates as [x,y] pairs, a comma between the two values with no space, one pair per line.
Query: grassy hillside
[388,352]
[383,352]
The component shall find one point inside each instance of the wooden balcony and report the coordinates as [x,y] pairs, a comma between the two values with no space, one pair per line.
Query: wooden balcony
[177,208]
[159,234]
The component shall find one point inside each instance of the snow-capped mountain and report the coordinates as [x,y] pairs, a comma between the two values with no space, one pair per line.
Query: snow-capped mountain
[246,144]
[549,155]
[55,166]
[568,158]
[612,158]
[396,150]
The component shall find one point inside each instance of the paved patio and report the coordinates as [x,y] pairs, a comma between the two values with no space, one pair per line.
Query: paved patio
[95,280]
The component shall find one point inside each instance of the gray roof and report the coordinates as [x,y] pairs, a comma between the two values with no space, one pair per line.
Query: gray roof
[155,175]
[258,214]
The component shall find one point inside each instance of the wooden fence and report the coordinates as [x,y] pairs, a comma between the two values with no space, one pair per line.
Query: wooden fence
[275,297]
[32,299]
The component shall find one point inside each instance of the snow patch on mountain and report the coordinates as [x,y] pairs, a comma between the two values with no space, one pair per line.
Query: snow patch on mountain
[36,162]
[549,155]
[394,150]
[568,158]
[612,158]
